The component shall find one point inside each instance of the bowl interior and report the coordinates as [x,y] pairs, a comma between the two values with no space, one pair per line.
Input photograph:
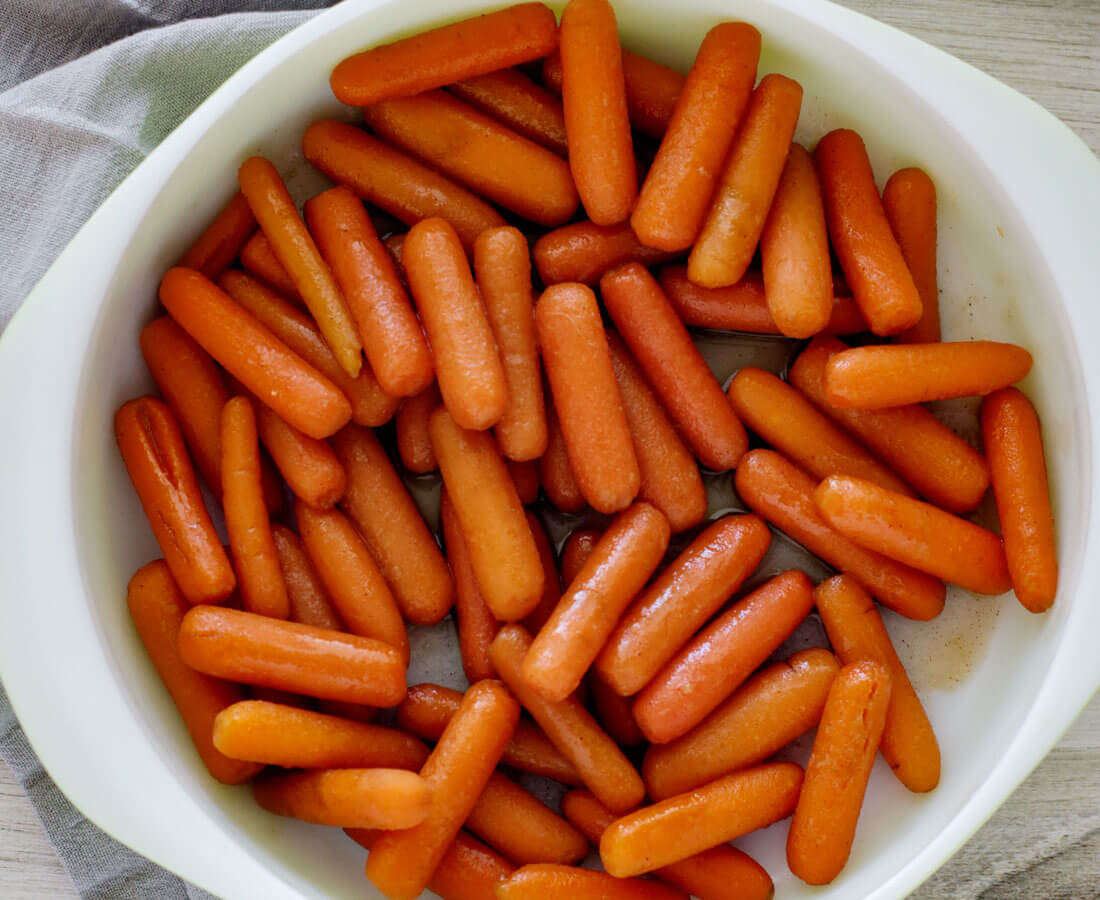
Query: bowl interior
[978,667]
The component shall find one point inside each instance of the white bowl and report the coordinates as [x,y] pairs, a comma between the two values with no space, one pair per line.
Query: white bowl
[1018,196]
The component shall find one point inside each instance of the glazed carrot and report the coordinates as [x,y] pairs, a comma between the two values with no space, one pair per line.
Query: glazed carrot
[732,229]
[583,251]
[824,822]
[525,476]
[615,714]
[406,189]
[378,502]
[414,444]
[309,601]
[679,185]
[252,649]
[743,306]
[896,375]
[794,251]
[294,248]
[260,579]
[503,555]
[395,246]
[468,368]
[674,366]
[543,880]
[370,405]
[263,363]
[156,460]
[782,493]
[857,633]
[551,581]
[860,233]
[789,422]
[352,577]
[586,396]
[365,273]
[686,593]
[576,551]
[157,607]
[600,763]
[776,705]
[401,863]
[682,826]
[258,260]
[555,471]
[1010,430]
[909,201]
[219,244]
[670,478]
[914,533]
[309,466]
[514,99]
[620,565]
[429,707]
[431,59]
[347,798]
[479,153]
[597,123]
[721,873]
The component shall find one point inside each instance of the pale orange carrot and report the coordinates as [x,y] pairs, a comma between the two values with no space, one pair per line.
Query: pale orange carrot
[347,798]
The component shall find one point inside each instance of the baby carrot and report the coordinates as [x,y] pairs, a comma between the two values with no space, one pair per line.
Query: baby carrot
[670,478]
[402,862]
[782,493]
[408,190]
[620,565]
[615,714]
[263,363]
[429,707]
[468,368]
[309,466]
[414,444]
[914,533]
[347,798]
[258,260]
[514,99]
[794,251]
[543,880]
[586,396]
[395,246]
[895,375]
[551,581]
[431,59]
[242,646]
[294,248]
[156,460]
[157,607]
[597,124]
[600,763]
[674,366]
[682,826]
[502,263]
[221,241]
[365,273]
[684,596]
[525,476]
[909,201]
[259,577]
[776,705]
[378,502]
[679,185]
[583,251]
[503,555]
[555,471]
[309,601]
[789,422]
[576,551]
[351,577]
[480,153]
[1010,429]
[870,257]
[733,226]
[824,822]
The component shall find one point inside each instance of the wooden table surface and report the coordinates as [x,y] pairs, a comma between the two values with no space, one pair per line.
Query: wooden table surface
[1045,841]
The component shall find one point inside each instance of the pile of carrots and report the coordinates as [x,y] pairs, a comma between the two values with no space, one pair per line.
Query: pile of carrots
[289,337]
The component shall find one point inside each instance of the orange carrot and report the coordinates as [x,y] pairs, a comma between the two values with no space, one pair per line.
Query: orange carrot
[597,123]
[1010,429]
[586,396]
[778,704]
[555,471]
[402,862]
[914,533]
[679,185]
[514,99]
[258,260]
[551,581]
[614,713]
[876,376]
[157,607]
[395,246]
[782,493]
[309,466]
[414,444]
[674,366]
[824,822]
[714,663]
[540,881]
[583,251]
[309,601]
[575,554]
[684,596]
[347,798]
[242,646]
[215,249]
[682,826]
[909,201]
[525,475]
